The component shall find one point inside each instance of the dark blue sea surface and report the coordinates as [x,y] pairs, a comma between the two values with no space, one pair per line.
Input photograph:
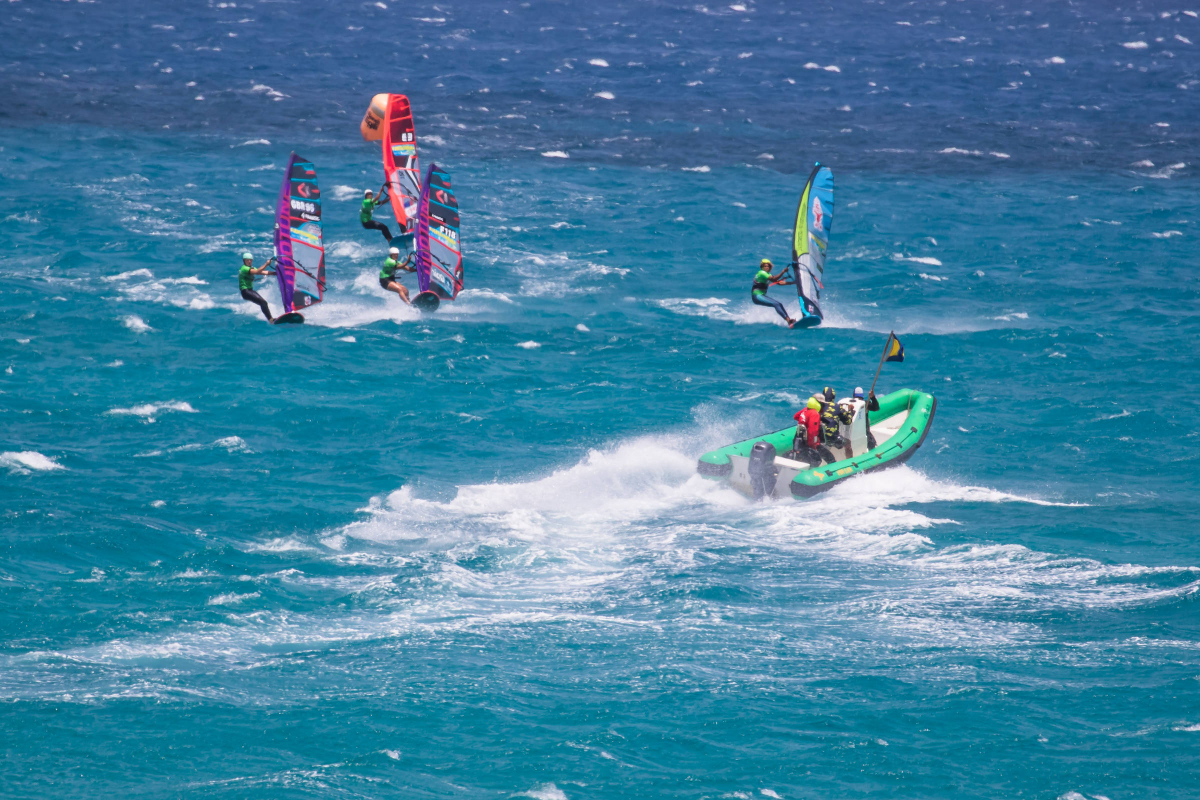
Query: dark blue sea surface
[467,554]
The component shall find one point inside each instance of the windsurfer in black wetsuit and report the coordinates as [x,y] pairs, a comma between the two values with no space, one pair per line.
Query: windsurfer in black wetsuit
[246,283]
[369,204]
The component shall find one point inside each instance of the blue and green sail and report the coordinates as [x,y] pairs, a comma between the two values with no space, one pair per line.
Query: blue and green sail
[810,237]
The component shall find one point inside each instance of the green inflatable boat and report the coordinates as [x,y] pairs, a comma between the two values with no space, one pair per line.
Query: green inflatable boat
[754,468]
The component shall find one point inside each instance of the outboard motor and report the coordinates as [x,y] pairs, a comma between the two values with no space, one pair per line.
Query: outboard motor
[762,469]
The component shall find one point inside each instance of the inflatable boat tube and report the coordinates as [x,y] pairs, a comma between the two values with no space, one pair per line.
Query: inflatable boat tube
[899,427]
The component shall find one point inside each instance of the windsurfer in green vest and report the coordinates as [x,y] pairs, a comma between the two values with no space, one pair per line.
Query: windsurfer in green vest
[762,281]
[369,204]
[387,275]
[246,283]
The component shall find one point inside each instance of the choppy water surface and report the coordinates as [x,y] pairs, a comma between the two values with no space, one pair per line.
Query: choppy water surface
[467,554]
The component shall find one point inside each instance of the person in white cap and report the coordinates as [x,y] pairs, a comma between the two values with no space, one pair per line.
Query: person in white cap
[387,275]
[246,283]
[369,204]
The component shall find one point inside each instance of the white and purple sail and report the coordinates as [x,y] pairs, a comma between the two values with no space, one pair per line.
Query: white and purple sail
[299,245]
[439,256]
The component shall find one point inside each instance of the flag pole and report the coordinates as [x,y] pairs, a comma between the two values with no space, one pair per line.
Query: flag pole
[886,347]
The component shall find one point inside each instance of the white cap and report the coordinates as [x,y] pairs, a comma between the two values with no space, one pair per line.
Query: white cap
[858,391]
[367,192]
[395,251]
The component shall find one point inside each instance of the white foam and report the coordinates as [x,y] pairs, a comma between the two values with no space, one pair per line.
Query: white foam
[124,276]
[604,96]
[531,345]
[349,339]
[149,411]
[342,192]
[232,598]
[543,791]
[598,62]
[702,168]
[718,308]
[555,154]
[582,328]
[1139,45]
[252,141]
[1166,234]
[135,324]
[929,261]
[262,88]
[24,461]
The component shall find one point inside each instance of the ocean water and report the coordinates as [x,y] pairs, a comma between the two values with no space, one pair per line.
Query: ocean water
[467,554]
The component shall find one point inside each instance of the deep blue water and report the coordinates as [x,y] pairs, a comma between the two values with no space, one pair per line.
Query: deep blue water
[467,554]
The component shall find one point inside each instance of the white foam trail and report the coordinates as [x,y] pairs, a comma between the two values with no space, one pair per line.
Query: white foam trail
[149,411]
[719,308]
[556,154]
[24,461]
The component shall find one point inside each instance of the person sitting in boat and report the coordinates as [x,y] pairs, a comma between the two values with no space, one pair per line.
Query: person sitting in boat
[246,283]
[369,204]
[387,275]
[872,405]
[833,416]
[807,444]
[762,282]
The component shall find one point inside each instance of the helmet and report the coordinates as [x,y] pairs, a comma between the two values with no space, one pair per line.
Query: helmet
[813,404]
[247,256]
[858,393]
[830,394]
[395,251]
[766,262]
[368,193]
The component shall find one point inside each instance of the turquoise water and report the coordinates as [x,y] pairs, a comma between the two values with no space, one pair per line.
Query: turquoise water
[467,554]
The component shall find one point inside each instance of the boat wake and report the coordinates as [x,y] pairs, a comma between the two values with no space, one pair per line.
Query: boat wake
[629,542]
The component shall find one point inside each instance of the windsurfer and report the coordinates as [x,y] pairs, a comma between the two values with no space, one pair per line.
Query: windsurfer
[369,204]
[387,275]
[762,281]
[246,283]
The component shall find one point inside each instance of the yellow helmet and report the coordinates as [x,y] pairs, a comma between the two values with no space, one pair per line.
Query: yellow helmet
[766,262]
[813,404]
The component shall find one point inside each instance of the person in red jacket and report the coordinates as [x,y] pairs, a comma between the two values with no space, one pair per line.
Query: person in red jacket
[807,445]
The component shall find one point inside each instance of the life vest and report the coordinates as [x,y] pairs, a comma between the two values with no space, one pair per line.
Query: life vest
[810,421]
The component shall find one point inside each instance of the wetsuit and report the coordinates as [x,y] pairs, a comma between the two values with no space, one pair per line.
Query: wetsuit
[388,273]
[369,205]
[758,294]
[246,284]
